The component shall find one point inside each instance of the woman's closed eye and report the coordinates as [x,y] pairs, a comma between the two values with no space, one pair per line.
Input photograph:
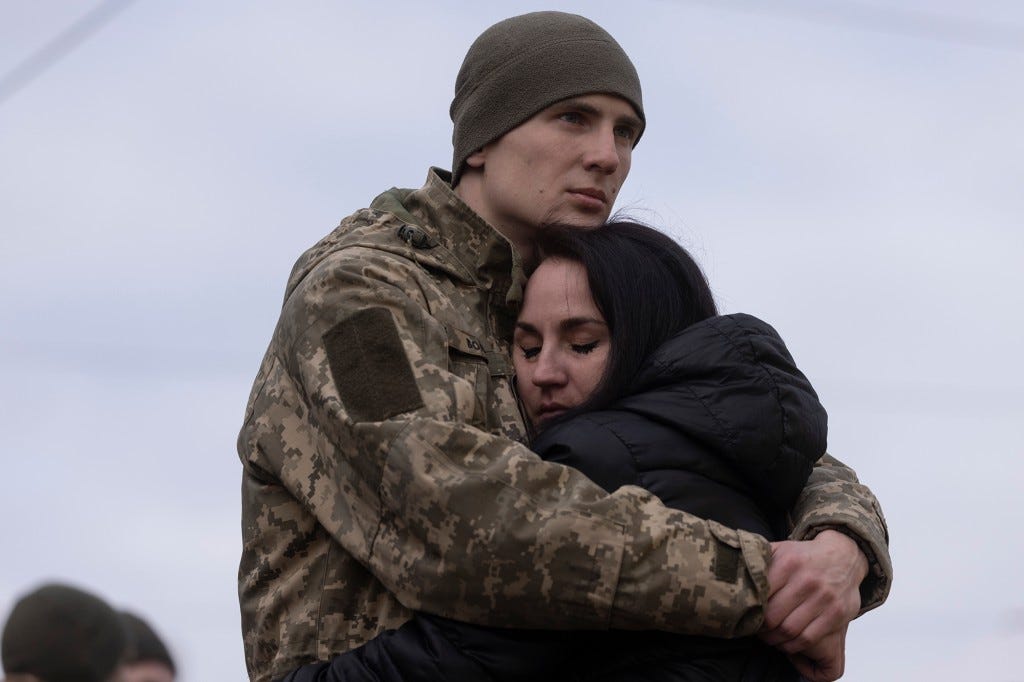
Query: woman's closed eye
[530,352]
[584,348]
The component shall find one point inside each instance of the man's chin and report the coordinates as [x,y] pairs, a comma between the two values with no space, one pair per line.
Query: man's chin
[575,219]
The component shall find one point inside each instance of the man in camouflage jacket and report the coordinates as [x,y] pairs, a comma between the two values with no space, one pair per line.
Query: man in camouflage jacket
[383,450]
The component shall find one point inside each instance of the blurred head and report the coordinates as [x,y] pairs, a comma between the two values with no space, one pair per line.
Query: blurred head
[547,111]
[605,300]
[61,634]
[147,658]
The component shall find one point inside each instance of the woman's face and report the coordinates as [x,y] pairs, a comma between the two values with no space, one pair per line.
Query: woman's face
[561,342]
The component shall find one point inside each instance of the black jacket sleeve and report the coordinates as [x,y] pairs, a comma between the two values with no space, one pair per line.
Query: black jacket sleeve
[430,648]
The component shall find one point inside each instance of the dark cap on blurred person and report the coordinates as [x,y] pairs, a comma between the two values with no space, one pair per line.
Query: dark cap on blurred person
[59,633]
[146,652]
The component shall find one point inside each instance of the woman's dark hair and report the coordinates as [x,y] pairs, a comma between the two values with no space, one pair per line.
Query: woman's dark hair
[647,287]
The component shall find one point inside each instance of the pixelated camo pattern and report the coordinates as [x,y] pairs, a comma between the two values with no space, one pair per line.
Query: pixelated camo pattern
[351,521]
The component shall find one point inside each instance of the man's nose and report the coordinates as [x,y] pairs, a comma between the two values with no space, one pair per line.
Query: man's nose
[602,153]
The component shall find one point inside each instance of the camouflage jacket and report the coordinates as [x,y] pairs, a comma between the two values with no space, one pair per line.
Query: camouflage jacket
[384,470]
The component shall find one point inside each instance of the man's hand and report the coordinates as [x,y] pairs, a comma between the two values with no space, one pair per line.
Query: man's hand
[825,661]
[814,594]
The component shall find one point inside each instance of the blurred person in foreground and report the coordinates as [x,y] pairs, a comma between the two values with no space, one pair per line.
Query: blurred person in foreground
[147,658]
[385,469]
[59,633]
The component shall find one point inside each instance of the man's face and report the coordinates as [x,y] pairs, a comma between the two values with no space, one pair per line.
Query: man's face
[565,164]
[144,671]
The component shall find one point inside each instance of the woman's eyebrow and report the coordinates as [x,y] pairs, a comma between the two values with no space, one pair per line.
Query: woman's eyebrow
[526,327]
[573,322]
[567,324]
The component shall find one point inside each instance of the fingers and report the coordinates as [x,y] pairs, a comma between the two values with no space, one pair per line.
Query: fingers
[807,668]
[782,565]
[796,618]
[826,662]
[814,591]
[782,622]
[810,671]
[777,580]
[795,604]
[801,629]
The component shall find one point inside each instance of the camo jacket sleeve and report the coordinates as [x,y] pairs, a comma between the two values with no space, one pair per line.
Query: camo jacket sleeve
[361,420]
[834,499]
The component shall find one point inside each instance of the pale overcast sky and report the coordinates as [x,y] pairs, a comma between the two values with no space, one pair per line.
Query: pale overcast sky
[852,172]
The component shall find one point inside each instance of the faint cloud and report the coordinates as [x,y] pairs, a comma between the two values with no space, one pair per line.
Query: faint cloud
[1011,621]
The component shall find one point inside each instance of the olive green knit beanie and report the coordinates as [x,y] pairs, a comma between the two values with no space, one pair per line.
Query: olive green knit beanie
[524,64]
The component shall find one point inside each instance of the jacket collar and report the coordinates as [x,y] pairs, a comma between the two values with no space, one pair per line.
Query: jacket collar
[460,233]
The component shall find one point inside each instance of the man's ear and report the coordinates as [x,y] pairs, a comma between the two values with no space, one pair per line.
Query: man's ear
[477,158]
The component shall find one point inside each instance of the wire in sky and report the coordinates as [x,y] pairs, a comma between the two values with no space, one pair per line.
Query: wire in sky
[61,46]
[912,23]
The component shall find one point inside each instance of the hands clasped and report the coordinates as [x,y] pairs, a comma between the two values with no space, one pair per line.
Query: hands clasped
[815,593]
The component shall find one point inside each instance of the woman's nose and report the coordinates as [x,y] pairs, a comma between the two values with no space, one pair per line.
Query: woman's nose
[549,370]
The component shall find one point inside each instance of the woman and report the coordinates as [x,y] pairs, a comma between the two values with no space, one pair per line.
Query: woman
[626,372]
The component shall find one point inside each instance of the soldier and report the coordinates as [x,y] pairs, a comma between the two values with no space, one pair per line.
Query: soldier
[382,448]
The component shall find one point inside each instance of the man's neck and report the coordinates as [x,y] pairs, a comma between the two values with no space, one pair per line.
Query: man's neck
[469,190]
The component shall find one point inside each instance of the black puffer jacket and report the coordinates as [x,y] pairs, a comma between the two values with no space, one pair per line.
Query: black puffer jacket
[719,423]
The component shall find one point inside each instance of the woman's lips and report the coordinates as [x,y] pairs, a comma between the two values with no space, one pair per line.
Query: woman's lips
[549,411]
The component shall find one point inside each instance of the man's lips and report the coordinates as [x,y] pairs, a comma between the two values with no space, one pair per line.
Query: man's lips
[589,195]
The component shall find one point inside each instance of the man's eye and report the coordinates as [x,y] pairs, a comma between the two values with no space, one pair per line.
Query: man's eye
[572,117]
[530,352]
[584,348]
[626,132]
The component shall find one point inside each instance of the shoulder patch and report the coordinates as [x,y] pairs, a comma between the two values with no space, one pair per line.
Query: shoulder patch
[370,367]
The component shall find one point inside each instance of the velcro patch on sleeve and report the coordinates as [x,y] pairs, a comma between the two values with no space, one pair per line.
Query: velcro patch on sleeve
[727,562]
[370,367]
